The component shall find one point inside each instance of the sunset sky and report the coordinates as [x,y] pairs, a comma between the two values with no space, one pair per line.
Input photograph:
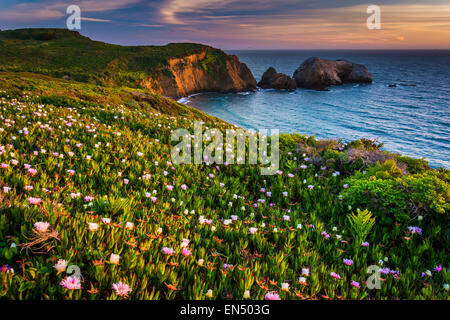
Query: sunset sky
[237,24]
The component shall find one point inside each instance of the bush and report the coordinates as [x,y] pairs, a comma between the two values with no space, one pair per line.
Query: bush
[398,200]
[386,170]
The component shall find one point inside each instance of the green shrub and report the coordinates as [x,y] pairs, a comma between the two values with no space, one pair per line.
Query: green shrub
[387,170]
[400,200]
[414,165]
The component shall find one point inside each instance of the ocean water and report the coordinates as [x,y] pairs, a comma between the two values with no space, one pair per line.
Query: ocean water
[411,120]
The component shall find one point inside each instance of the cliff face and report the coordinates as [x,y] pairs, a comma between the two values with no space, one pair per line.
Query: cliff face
[173,70]
[201,72]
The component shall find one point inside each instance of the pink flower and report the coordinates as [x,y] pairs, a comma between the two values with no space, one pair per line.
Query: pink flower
[32,171]
[183,186]
[365,244]
[3,165]
[121,289]
[438,269]
[71,283]
[355,284]
[272,296]
[71,172]
[169,187]
[348,262]
[88,198]
[34,200]
[168,251]
[28,188]
[41,226]
[186,252]
[335,275]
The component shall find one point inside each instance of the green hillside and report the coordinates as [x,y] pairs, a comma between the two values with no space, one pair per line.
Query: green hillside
[92,207]
[63,53]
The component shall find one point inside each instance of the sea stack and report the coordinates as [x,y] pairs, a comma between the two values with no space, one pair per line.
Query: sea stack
[278,81]
[317,73]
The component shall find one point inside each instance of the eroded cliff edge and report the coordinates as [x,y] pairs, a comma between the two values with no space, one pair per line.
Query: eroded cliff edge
[173,70]
[208,71]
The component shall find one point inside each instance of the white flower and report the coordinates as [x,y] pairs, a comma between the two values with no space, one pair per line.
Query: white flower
[93,226]
[129,225]
[106,220]
[305,272]
[285,286]
[114,258]
[184,243]
[41,226]
[61,265]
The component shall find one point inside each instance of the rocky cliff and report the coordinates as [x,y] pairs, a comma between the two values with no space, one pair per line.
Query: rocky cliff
[173,70]
[201,72]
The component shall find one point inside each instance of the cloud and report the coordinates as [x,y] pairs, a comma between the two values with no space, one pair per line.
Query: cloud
[252,23]
[94,19]
[50,10]
[304,24]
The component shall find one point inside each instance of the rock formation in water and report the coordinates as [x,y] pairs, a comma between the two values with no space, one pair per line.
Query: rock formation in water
[316,73]
[279,81]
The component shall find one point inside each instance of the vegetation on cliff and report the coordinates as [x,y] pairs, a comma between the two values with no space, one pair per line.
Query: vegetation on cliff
[67,54]
[87,185]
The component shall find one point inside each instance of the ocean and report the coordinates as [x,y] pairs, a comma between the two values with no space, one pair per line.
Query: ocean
[411,119]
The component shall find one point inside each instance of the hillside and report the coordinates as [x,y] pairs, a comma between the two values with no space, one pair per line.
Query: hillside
[87,184]
[174,70]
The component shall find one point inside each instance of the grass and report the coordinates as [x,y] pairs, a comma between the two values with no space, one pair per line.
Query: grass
[67,54]
[93,162]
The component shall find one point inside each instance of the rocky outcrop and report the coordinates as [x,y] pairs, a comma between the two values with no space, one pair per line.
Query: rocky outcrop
[316,73]
[278,81]
[207,71]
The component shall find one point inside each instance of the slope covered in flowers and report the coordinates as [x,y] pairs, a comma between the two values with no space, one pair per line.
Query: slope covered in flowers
[91,207]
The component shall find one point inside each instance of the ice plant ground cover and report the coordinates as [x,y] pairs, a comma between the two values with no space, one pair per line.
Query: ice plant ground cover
[86,180]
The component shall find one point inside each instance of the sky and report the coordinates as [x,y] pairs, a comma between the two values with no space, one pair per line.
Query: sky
[238,24]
